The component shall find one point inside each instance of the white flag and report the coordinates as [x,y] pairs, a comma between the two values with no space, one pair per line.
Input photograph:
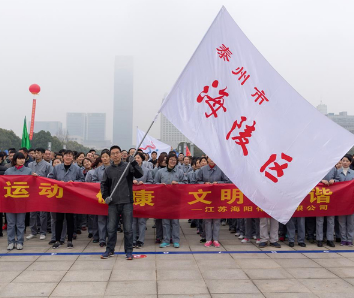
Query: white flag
[150,144]
[267,139]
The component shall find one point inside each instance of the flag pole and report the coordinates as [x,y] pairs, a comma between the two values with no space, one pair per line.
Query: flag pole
[126,168]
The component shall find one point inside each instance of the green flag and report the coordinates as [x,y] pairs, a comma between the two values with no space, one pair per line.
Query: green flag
[25,142]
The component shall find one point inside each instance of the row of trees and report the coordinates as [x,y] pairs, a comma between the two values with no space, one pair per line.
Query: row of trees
[8,139]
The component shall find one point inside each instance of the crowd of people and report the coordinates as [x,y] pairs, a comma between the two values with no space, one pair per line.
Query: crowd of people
[136,168]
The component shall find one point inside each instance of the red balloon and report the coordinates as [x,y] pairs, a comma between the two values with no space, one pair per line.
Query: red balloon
[34,89]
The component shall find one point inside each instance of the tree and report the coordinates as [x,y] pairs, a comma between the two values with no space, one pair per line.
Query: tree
[75,146]
[63,135]
[8,139]
[56,144]
[41,139]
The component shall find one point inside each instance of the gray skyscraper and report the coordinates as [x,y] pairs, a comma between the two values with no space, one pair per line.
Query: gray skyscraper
[54,127]
[76,126]
[169,134]
[123,102]
[96,127]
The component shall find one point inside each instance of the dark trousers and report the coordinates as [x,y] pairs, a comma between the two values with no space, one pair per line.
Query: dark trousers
[77,222]
[114,213]
[159,233]
[59,225]
[310,227]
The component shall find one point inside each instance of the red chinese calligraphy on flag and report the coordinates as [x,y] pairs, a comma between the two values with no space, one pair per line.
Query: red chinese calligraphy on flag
[214,103]
[224,52]
[241,74]
[279,169]
[259,95]
[243,136]
[252,123]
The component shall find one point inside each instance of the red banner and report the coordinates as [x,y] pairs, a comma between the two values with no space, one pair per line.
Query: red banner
[29,193]
[32,119]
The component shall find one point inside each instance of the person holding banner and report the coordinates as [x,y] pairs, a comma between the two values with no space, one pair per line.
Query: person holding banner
[170,175]
[330,220]
[40,168]
[161,163]
[92,220]
[346,222]
[212,174]
[53,218]
[97,176]
[297,223]
[119,202]
[139,224]
[67,172]
[16,221]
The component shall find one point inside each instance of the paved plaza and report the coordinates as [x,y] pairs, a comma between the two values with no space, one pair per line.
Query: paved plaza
[300,274]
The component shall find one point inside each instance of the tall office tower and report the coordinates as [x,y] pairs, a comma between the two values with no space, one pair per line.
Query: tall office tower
[169,134]
[76,126]
[96,127]
[322,108]
[54,127]
[123,102]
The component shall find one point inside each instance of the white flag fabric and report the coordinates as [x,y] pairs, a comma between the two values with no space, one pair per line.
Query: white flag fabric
[272,144]
[150,144]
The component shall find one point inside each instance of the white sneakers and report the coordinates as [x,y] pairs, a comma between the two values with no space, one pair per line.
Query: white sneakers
[11,246]
[30,236]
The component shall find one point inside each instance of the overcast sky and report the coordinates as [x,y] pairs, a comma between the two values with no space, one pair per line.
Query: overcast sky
[69,47]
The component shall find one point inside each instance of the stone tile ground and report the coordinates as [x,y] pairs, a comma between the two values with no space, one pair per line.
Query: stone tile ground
[239,271]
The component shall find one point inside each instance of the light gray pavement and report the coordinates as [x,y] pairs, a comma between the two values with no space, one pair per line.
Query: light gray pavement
[221,275]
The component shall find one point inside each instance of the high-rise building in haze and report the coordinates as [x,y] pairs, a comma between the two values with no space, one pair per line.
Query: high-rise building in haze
[87,129]
[76,126]
[123,102]
[322,108]
[169,134]
[54,127]
[96,127]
